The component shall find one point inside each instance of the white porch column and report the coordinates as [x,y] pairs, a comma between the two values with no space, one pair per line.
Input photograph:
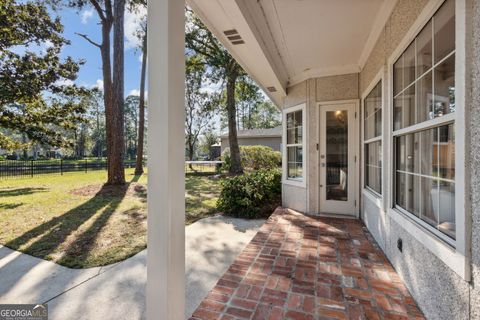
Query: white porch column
[166,178]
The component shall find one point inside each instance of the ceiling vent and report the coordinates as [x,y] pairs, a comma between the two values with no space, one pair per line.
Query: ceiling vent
[233,36]
[271,89]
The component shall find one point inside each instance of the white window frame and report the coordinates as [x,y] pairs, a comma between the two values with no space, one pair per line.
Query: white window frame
[300,182]
[455,255]
[366,191]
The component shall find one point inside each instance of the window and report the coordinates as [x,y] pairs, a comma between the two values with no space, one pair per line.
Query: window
[424,124]
[294,146]
[372,125]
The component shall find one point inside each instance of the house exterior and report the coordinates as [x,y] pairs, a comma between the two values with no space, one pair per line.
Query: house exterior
[257,137]
[381,113]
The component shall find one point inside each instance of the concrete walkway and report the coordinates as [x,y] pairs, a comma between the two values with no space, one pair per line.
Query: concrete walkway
[118,291]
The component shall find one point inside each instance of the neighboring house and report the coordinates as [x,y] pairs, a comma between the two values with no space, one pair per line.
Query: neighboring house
[381,113]
[257,137]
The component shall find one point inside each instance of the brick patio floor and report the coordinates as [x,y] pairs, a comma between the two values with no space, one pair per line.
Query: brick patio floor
[302,267]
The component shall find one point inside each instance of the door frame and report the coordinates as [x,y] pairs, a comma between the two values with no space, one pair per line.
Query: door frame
[356,143]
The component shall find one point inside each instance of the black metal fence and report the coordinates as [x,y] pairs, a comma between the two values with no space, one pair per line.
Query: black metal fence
[31,168]
[203,167]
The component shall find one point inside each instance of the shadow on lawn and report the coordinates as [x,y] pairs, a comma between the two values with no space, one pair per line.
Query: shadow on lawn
[20,192]
[48,236]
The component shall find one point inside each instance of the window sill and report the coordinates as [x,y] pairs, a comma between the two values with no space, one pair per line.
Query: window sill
[373,197]
[455,260]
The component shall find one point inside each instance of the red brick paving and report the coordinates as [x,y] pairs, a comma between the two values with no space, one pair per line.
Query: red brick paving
[303,267]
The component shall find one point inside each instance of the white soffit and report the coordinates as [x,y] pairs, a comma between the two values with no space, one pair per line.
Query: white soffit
[323,37]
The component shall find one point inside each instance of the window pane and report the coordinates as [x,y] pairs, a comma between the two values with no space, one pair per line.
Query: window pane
[373,166]
[337,155]
[290,120]
[291,136]
[424,98]
[424,49]
[291,153]
[429,155]
[298,154]
[412,145]
[400,197]
[294,127]
[294,160]
[292,170]
[409,65]
[430,201]
[401,153]
[378,123]
[298,118]
[398,76]
[412,195]
[446,208]
[445,87]
[373,113]
[408,118]
[446,146]
[444,29]
[397,112]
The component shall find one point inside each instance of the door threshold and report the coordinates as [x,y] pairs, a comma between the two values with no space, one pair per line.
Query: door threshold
[337,215]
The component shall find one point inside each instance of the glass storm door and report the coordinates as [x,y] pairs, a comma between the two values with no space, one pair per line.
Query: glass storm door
[338,159]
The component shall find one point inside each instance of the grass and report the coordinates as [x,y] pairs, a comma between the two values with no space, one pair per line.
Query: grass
[77,222]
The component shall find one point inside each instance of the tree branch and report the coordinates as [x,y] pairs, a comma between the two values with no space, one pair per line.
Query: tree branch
[84,36]
[99,9]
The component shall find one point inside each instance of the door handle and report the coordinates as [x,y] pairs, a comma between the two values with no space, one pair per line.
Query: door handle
[323,164]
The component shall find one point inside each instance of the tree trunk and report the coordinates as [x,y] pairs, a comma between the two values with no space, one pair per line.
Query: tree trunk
[236,164]
[116,171]
[141,120]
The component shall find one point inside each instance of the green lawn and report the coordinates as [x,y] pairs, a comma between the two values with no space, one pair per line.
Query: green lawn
[76,221]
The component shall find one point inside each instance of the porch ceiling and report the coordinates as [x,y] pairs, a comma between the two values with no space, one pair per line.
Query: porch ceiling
[289,41]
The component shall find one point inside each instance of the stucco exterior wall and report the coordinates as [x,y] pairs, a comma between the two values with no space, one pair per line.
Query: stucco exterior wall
[272,142]
[473,105]
[439,291]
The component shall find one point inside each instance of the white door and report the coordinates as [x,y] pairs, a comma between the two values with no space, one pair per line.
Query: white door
[338,171]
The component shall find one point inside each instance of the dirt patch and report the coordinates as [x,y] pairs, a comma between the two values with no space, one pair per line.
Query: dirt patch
[101,190]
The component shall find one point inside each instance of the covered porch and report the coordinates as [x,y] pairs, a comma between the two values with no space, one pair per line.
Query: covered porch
[378,159]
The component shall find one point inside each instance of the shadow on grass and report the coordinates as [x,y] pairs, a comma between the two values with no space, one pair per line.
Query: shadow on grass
[44,239]
[9,206]
[20,192]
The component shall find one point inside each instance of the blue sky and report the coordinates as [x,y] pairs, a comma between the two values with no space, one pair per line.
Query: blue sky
[86,22]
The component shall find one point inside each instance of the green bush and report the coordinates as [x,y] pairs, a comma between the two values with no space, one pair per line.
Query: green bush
[251,195]
[255,157]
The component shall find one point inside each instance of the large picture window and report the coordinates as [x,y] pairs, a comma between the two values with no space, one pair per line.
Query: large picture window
[372,124]
[294,146]
[424,123]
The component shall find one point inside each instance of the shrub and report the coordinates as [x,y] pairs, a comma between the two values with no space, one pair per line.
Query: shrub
[251,195]
[255,157]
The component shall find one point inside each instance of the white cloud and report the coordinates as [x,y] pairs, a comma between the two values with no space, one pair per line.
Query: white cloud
[86,15]
[136,92]
[98,85]
[64,82]
[132,25]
